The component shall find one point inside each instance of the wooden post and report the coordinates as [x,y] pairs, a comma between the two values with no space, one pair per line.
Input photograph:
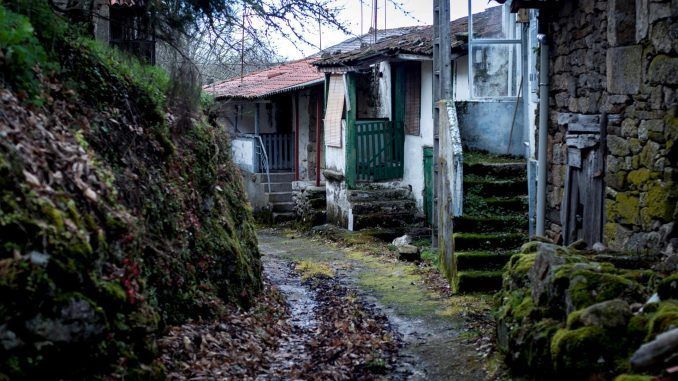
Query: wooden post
[351,153]
[296,136]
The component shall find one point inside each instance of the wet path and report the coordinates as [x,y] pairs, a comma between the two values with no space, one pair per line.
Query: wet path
[435,337]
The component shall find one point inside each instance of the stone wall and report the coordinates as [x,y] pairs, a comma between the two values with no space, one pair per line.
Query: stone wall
[310,203]
[619,57]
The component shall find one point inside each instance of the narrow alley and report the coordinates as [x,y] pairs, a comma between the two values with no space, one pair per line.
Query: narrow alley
[437,343]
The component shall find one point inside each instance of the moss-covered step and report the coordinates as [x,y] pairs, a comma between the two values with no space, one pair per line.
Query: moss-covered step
[487,241]
[495,206]
[490,223]
[481,260]
[478,281]
[383,219]
[489,187]
[497,170]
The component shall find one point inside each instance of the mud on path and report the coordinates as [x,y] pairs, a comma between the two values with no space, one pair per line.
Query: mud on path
[439,343]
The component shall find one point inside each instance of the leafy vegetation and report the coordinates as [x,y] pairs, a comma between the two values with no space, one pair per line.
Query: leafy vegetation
[115,221]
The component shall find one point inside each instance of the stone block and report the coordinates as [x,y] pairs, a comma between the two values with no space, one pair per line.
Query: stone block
[629,128]
[663,36]
[621,22]
[642,19]
[648,154]
[618,146]
[624,66]
[663,70]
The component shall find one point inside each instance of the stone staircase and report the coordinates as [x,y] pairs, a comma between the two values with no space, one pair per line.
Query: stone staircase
[494,221]
[280,195]
[382,205]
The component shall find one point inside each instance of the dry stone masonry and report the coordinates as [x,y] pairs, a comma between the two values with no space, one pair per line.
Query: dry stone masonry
[619,57]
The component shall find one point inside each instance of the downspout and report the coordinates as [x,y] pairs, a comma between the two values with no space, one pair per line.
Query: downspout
[543,131]
[317,141]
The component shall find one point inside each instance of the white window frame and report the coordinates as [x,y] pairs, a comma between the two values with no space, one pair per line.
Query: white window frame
[474,42]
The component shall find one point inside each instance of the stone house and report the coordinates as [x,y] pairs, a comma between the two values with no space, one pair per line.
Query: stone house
[618,61]
[273,119]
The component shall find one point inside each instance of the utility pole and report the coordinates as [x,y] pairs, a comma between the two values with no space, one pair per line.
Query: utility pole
[442,89]
[242,43]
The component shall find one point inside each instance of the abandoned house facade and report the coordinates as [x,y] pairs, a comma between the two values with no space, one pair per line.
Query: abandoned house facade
[273,117]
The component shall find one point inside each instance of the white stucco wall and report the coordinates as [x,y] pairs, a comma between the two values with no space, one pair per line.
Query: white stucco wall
[384,90]
[413,172]
[243,153]
[461,83]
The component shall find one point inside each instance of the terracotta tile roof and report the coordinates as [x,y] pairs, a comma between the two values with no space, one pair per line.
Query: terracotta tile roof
[417,41]
[278,79]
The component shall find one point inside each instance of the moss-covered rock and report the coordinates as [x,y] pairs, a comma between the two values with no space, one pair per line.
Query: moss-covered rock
[668,287]
[610,314]
[584,350]
[663,319]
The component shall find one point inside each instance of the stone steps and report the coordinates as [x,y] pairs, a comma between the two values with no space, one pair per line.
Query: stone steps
[386,206]
[276,177]
[487,224]
[487,187]
[383,220]
[278,187]
[382,194]
[494,221]
[481,260]
[279,197]
[283,217]
[283,207]
[488,241]
[478,281]
[497,170]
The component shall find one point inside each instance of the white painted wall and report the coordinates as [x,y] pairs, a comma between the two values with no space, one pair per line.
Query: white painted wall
[243,153]
[413,172]
[385,90]
[461,82]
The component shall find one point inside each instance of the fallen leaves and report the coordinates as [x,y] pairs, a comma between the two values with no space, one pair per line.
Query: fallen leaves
[349,340]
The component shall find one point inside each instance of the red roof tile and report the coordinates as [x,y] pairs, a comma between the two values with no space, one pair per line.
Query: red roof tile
[266,82]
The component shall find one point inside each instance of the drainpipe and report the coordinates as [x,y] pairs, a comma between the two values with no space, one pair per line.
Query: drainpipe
[543,131]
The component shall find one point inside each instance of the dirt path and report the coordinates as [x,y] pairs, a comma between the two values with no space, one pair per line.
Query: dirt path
[438,342]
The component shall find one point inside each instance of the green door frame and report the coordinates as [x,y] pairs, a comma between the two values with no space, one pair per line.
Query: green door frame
[351,152]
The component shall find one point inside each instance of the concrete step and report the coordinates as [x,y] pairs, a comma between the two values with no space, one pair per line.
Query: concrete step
[359,195]
[382,220]
[276,197]
[488,241]
[385,206]
[283,207]
[276,177]
[507,205]
[278,187]
[497,170]
[485,187]
[488,224]
[481,260]
[478,281]
[283,217]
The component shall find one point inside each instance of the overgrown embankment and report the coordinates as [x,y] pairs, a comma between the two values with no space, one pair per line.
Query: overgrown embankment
[574,314]
[118,214]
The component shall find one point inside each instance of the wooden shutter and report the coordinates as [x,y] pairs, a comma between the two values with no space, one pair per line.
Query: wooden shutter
[334,111]
[412,98]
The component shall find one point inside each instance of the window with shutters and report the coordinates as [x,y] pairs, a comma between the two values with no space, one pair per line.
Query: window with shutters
[334,111]
[412,98]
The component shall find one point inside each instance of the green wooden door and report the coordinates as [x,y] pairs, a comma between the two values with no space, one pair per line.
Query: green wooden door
[428,184]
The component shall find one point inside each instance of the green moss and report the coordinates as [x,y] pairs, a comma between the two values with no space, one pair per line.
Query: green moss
[589,287]
[664,319]
[668,287]
[579,350]
[627,207]
[634,377]
[639,176]
[310,269]
[661,200]
[517,269]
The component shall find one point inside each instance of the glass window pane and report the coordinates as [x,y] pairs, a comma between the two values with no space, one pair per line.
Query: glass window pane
[495,22]
[495,70]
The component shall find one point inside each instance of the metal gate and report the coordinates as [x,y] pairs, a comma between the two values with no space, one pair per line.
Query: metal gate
[582,207]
